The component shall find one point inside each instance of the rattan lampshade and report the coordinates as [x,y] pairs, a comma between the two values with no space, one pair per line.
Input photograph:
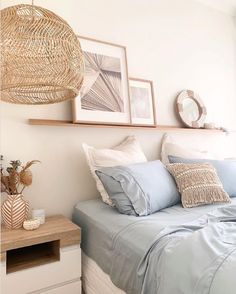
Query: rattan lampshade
[41,57]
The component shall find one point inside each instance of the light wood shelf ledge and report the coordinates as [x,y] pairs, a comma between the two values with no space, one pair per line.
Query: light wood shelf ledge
[49,122]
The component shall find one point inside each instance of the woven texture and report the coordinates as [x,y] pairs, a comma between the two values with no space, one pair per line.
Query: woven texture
[198,184]
[41,60]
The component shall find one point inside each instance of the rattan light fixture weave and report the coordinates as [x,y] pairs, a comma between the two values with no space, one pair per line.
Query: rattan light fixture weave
[41,57]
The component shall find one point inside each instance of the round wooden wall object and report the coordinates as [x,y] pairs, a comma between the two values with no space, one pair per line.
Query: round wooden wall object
[181,98]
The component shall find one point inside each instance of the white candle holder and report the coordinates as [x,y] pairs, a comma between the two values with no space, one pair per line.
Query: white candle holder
[39,214]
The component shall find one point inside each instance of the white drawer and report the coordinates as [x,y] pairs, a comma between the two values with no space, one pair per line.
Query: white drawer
[71,288]
[39,277]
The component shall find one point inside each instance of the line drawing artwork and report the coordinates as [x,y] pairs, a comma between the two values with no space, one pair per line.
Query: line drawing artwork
[102,87]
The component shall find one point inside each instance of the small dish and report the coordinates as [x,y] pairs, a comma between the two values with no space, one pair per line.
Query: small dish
[32,224]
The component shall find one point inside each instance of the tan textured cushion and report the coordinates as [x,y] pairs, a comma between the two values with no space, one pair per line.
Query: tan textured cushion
[198,184]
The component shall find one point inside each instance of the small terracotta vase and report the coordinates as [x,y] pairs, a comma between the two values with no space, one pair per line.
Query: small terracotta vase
[14,211]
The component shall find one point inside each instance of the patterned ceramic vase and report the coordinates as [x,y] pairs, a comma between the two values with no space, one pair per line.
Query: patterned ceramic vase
[15,211]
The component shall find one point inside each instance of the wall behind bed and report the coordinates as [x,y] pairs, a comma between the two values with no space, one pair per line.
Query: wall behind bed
[176,43]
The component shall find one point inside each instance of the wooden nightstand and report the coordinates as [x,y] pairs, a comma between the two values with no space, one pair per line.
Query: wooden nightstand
[47,260]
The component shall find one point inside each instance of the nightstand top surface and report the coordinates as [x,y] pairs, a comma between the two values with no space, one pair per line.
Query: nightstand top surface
[55,227]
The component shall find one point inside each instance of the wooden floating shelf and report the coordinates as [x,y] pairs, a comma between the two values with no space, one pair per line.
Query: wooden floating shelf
[49,122]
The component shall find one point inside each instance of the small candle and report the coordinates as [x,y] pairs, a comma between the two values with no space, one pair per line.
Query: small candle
[39,214]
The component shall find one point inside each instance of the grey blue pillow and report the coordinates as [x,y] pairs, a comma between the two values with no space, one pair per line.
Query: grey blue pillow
[226,170]
[140,189]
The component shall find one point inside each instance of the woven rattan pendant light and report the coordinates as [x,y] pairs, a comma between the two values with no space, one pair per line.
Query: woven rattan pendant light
[41,57]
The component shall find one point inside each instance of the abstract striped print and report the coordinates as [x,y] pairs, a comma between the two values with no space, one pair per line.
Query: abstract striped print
[14,211]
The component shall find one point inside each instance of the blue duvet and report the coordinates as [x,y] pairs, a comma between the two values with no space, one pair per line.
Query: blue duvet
[175,251]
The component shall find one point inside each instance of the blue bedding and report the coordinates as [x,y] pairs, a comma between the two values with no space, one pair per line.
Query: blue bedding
[140,253]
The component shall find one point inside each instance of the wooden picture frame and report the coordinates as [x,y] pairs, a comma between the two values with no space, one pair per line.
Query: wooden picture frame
[142,102]
[104,96]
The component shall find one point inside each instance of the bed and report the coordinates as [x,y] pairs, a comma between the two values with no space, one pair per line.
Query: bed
[128,254]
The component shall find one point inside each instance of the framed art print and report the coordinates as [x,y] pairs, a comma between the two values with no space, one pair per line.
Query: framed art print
[142,105]
[104,96]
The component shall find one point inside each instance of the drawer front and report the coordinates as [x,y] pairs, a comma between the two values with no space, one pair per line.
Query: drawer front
[48,275]
[71,288]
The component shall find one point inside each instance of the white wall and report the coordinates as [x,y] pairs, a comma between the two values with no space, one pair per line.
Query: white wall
[176,43]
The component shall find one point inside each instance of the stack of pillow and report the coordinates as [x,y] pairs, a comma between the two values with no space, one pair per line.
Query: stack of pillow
[134,186]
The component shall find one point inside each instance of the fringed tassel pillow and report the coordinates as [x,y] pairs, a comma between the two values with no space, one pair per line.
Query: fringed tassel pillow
[198,184]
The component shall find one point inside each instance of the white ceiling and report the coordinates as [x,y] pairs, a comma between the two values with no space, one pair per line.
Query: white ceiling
[227,6]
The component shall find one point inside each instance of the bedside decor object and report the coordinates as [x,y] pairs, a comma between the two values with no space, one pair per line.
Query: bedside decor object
[15,209]
[104,96]
[31,224]
[42,61]
[142,102]
[39,214]
[191,109]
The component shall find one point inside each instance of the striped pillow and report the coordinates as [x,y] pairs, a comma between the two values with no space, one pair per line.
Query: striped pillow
[198,184]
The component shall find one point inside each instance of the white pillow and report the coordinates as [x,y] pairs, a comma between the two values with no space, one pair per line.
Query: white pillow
[169,148]
[127,152]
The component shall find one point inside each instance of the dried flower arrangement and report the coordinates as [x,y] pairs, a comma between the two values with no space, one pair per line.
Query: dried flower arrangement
[17,178]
